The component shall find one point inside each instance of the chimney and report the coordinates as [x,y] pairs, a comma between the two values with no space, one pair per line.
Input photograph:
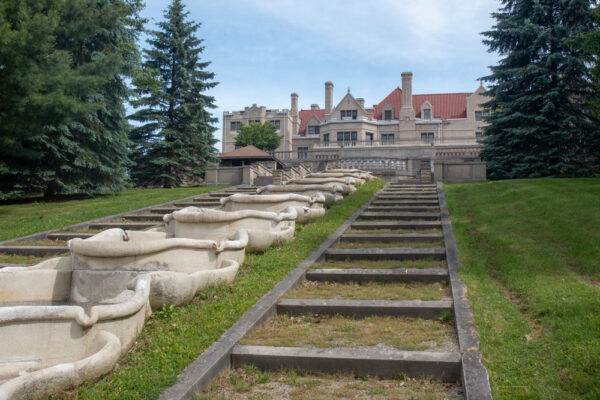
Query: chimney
[294,114]
[407,111]
[314,106]
[328,97]
[361,102]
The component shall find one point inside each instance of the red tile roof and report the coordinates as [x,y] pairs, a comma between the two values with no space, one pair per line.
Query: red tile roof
[445,105]
[246,152]
[306,115]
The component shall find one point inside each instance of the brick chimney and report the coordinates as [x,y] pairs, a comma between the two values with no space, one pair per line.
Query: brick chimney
[294,114]
[407,111]
[328,97]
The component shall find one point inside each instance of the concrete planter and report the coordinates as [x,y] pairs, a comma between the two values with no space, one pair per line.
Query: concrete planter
[264,228]
[359,177]
[332,193]
[348,184]
[49,342]
[306,207]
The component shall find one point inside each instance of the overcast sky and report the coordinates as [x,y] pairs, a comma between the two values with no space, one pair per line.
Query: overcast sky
[263,50]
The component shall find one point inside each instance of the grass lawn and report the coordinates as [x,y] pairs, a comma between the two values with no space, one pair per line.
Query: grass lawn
[530,252]
[175,336]
[18,220]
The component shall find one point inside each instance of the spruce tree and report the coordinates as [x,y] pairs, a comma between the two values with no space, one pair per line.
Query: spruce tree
[82,148]
[542,123]
[174,141]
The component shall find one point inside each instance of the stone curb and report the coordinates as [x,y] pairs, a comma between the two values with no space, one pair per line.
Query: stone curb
[385,363]
[365,308]
[210,364]
[425,275]
[474,375]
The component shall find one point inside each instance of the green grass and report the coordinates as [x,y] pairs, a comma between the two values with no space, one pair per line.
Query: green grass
[18,220]
[174,337]
[530,251]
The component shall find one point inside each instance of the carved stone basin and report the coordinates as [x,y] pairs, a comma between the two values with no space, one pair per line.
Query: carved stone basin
[306,207]
[102,263]
[341,175]
[48,341]
[264,228]
[332,193]
[349,184]
[363,174]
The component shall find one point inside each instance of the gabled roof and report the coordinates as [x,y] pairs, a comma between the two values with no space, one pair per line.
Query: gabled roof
[306,115]
[445,105]
[246,152]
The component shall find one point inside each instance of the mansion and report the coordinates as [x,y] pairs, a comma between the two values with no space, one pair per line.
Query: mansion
[401,127]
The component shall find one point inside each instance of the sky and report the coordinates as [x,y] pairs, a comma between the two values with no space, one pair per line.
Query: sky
[263,50]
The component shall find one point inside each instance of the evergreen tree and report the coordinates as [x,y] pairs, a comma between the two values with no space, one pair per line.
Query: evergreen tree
[82,146]
[175,140]
[264,136]
[542,123]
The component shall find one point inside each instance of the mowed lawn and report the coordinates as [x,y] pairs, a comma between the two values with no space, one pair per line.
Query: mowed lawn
[530,253]
[18,220]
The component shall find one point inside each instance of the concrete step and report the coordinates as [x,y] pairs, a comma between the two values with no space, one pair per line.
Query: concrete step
[133,226]
[38,251]
[197,204]
[405,197]
[433,203]
[400,216]
[68,235]
[424,275]
[219,195]
[403,208]
[143,217]
[390,237]
[415,192]
[388,253]
[384,363]
[164,210]
[365,308]
[397,225]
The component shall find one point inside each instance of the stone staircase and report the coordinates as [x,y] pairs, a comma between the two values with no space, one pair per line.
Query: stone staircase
[384,244]
[42,245]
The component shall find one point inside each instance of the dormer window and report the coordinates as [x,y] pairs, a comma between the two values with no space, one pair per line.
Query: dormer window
[427,113]
[314,129]
[387,115]
[349,114]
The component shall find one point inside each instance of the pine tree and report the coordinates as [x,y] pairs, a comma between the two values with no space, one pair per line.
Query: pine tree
[264,136]
[175,141]
[84,148]
[542,123]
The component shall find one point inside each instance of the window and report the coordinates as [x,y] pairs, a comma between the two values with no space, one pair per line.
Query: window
[387,115]
[276,123]
[486,113]
[478,136]
[427,113]
[303,152]
[369,138]
[326,139]
[387,138]
[478,116]
[347,138]
[314,129]
[427,137]
[349,114]
[235,125]
[253,121]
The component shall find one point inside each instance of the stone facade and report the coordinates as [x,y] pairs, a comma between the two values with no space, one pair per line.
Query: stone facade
[401,127]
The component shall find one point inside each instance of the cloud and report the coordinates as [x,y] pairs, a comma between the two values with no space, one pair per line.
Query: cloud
[390,30]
